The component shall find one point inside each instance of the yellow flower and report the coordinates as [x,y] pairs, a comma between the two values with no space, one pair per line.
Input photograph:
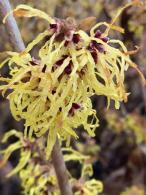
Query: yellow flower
[53,93]
[84,185]
[22,145]
[36,174]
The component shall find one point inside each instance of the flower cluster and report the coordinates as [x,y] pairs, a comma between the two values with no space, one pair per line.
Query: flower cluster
[84,185]
[38,176]
[52,93]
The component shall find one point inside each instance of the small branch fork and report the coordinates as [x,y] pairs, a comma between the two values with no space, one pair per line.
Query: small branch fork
[18,45]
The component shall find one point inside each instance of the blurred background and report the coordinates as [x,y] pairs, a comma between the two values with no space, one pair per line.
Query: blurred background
[118,152]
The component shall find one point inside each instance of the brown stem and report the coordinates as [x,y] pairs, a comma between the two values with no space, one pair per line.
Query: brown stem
[61,170]
[18,44]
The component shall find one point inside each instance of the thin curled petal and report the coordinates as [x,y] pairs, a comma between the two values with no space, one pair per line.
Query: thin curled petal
[27,11]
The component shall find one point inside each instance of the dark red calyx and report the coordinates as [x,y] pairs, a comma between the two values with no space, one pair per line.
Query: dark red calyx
[105,39]
[99,47]
[96,46]
[44,68]
[60,62]
[53,26]
[34,62]
[71,112]
[65,56]
[75,106]
[76,38]
[53,91]
[98,34]
[66,43]
[68,68]
[94,56]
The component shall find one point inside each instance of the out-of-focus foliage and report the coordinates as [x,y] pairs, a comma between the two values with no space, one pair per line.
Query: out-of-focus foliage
[129,123]
[134,190]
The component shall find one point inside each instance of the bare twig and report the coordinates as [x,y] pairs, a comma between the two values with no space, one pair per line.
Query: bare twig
[18,44]
[11,27]
[60,169]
